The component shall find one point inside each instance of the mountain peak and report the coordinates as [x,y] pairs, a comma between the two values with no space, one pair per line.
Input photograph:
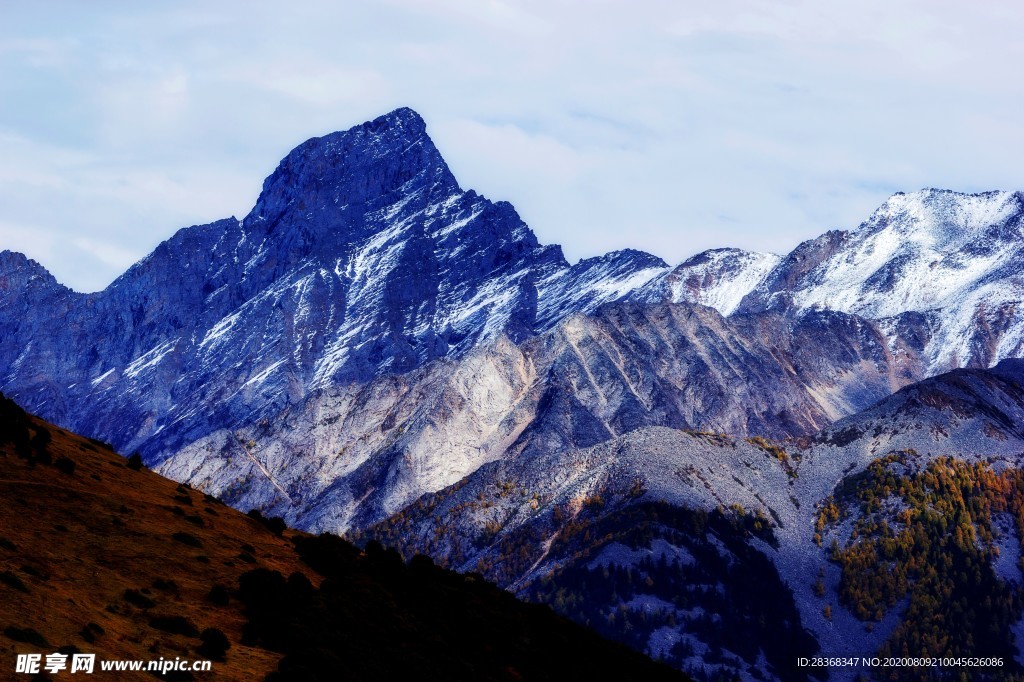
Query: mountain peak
[942,208]
[402,116]
[718,278]
[634,258]
[369,162]
[17,271]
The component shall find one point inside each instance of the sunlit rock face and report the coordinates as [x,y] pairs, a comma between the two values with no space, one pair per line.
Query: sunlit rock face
[371,332]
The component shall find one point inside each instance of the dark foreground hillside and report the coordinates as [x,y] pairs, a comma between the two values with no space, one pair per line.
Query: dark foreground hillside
[98,556]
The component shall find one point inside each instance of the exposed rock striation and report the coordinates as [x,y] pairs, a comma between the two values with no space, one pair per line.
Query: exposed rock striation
[362,257]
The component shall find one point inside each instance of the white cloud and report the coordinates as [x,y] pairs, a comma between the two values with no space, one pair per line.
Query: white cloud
[112,255]
[479,146]
[310,82]
[655,124]
[489,15]
[26,238]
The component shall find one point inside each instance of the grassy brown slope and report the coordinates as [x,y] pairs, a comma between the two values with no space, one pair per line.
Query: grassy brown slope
[90,546]
[81,540]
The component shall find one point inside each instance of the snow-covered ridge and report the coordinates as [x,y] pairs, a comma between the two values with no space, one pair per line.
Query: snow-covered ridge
[918,252]
[363,257]
[719,278]
[593,282]
[949,264]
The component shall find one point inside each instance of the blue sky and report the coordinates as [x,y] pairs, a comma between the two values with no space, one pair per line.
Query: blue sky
[666,126]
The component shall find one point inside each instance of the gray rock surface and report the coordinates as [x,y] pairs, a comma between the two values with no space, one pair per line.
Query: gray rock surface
[373,344]
[512,519]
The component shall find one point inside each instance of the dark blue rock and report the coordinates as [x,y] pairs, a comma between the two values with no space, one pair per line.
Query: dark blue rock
[361,257]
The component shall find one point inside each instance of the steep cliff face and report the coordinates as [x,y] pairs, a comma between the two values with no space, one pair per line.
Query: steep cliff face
[362,257]
[350,456]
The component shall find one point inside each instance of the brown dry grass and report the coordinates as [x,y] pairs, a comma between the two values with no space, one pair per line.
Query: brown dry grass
[105,529]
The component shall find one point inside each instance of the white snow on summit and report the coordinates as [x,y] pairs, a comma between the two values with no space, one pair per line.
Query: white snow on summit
[918,252]
[718,278]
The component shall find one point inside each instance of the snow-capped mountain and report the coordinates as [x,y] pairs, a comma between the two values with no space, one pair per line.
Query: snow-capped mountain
[942,269]
[719,278]
[945,267]
[362,257]
[374,347]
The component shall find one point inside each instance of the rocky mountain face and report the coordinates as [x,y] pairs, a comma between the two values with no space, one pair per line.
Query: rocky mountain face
[966,411]
[625,534]
[375,350]
[350,456]
[362,257]
[944,267]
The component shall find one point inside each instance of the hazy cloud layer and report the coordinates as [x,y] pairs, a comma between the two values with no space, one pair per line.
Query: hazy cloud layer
[667,126]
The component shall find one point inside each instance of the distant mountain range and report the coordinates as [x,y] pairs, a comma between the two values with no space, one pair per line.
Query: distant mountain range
[374,350]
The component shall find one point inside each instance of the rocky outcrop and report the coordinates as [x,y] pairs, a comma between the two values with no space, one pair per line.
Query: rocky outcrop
[362,257]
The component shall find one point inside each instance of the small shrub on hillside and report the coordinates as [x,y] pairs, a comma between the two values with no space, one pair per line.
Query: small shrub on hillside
[165,585]
[188,539]
[215,644]
[218,595]
[136,598]
[14,427]
[275,524]
[328,554]
[27,635]
[11,580]
[176,625]
[34,572]
[41,441]
[90,632]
